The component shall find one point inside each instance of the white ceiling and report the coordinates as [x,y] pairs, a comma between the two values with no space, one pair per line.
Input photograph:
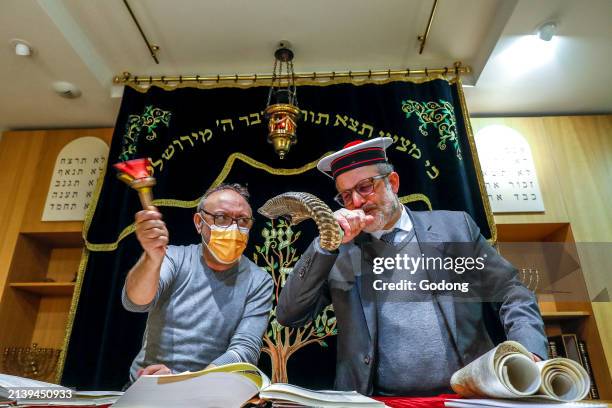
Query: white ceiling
[577,78]
[88,41]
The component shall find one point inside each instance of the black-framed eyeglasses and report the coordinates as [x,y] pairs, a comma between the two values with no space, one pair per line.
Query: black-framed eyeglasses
[364,188]
[224,220]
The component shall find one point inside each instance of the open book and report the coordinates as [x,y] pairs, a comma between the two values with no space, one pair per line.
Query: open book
[230,386]
[25,391]
[508,371]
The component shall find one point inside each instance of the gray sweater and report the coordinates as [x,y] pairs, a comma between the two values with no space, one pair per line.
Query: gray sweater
[416,355]
[200,316]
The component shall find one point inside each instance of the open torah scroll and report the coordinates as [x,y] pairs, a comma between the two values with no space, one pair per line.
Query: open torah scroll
[508,371]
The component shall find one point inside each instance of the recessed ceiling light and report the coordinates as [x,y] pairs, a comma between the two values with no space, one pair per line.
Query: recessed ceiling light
[547,30]
[527,53]
[66,89]
[21,48]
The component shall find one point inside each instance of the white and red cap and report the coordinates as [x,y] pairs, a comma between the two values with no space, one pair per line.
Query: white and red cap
[355,154]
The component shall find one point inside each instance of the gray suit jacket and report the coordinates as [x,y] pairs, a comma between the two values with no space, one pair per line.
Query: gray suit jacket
[321,278]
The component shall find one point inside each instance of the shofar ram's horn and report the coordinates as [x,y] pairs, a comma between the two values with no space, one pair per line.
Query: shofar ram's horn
[297,207]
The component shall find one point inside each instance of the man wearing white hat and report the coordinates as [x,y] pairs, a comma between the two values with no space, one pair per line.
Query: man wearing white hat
[399,330]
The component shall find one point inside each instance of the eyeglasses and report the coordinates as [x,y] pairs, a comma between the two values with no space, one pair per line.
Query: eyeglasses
[364,188]
[224,220]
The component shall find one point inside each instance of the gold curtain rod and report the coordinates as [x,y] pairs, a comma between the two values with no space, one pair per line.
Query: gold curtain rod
[126,77]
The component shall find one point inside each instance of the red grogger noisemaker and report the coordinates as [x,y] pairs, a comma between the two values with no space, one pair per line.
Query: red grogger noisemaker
[135,173]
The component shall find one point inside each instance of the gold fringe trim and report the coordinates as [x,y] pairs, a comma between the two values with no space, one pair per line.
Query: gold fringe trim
[262,166]
[411,198]
[479,176]
[112,246]
[301,82]
[59,370]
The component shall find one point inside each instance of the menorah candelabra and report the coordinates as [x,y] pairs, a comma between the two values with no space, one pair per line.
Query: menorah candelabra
[31,362]
[530,277]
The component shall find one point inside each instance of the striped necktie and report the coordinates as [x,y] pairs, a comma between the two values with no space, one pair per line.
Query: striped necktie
[389,237]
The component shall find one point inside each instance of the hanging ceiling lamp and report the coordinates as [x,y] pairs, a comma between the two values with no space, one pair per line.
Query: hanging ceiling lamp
[282,111]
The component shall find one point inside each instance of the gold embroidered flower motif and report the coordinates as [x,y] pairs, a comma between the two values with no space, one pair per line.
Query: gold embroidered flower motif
[149,120]
[440,116]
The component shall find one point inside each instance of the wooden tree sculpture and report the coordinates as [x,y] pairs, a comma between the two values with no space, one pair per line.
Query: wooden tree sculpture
[278,256]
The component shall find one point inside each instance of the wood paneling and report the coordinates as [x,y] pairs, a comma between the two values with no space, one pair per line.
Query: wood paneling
[528,232]
[29,261]
[582,147]
[556,316]
[50,327]
[17,317]
[64,264]
[19,157]
[45,288]
[602,312]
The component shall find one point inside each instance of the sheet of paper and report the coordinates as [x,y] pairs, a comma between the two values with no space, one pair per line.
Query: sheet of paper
[11,381]
[78,402]
[293,393]
[213,390]
[531,403]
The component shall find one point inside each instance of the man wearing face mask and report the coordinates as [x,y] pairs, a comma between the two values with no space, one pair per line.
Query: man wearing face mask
[208,304]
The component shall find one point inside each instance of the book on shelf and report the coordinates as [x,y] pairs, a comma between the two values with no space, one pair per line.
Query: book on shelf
[552,349]
[568,345]
[586,363]
[27,392]
[508,371]
[231,385]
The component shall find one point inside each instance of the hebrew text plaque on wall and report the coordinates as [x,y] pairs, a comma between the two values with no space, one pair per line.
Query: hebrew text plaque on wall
[508,169]
[76,172]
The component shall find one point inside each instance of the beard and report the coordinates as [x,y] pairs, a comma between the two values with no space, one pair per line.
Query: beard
[379,218]
[383,213]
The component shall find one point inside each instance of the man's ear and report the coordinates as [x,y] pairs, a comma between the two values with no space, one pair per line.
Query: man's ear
[394,181]
[197,222]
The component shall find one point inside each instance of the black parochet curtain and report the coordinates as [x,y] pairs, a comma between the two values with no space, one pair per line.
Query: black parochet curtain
[197,138]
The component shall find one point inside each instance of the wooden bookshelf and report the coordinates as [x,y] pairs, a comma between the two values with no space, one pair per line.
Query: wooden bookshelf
[550,247]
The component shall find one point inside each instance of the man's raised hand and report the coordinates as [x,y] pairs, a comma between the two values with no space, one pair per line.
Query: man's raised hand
[352,222]
[152,233]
